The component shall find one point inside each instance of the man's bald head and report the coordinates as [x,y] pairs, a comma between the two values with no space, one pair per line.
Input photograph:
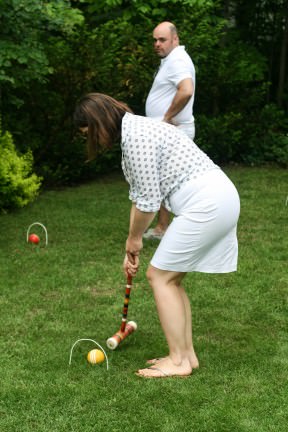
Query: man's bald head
[165,38]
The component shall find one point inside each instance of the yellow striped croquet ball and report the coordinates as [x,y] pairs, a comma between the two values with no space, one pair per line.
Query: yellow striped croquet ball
[95,356]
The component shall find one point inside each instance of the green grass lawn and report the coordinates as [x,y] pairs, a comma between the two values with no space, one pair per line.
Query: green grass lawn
[73,288]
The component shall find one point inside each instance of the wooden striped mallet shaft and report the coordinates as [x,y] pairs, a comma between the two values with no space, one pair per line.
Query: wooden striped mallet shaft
[126,328]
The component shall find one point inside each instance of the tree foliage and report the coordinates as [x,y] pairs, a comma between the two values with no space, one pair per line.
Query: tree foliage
[264,24]
[53,52]
[24,28]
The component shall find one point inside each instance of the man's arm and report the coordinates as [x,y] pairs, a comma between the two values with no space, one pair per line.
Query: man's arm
[185,90]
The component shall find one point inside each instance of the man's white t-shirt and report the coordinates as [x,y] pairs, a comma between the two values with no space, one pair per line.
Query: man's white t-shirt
[173,69]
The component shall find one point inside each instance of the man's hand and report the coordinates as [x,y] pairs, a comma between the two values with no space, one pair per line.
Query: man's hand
[170,121]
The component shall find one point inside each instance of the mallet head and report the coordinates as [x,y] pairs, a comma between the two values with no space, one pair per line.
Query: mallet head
[115,340]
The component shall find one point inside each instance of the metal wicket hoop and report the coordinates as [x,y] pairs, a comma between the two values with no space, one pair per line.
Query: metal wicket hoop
[90,340]
[42,226]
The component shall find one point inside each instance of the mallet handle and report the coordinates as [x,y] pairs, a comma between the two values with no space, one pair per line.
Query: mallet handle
[126,303]
[125,329]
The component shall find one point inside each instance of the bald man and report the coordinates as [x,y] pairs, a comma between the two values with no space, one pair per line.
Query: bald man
[171,96]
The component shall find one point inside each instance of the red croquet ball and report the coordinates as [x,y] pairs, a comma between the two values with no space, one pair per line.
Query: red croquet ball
[33,238]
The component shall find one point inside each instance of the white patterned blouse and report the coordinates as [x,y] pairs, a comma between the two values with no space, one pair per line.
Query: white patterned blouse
[157,158]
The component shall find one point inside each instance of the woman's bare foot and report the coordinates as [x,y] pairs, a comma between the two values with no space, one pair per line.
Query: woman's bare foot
[166,368]
[155,360]
[193,361]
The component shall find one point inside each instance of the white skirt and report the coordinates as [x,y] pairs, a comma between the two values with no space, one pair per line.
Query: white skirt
[202,236]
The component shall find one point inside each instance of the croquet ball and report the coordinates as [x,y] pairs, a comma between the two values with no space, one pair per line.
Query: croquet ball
[95,356]
[33,238]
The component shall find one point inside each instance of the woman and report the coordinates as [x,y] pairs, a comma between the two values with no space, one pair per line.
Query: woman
[160,164]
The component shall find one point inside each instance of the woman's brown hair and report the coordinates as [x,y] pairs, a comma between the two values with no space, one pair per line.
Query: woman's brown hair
[102,115]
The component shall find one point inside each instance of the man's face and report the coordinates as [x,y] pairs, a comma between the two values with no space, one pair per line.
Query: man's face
[164,41]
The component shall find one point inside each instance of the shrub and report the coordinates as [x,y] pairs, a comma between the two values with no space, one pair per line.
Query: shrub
[18,184]
[253,138]
[219,136]
[267,130]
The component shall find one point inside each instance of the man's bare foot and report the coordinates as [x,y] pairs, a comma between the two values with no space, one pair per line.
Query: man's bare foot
[166,368]
[153,234]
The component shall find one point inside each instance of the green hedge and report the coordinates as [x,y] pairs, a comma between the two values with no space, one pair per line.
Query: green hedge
[18,184]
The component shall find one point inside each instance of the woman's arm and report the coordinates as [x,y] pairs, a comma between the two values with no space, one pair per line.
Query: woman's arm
[139,222]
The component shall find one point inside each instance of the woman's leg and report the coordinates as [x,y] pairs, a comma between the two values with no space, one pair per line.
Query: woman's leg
[188,333]
[188,330]
[175,316]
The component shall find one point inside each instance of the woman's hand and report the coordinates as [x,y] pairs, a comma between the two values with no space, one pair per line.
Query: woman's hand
[131,260]
[129,268]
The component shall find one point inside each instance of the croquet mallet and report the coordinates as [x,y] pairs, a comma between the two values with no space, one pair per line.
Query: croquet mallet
[126,328]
